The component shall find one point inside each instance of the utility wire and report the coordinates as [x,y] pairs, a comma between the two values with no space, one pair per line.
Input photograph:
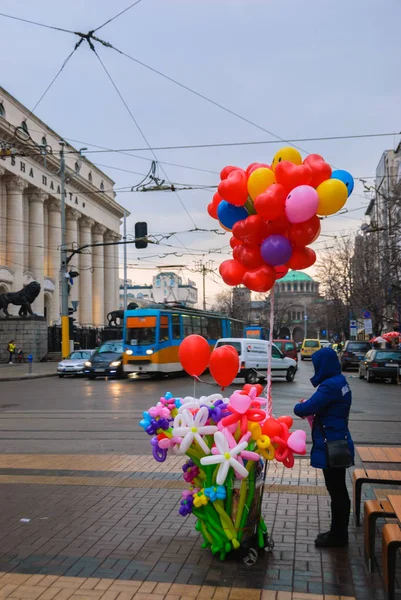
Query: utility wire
[36,23]
[117,15]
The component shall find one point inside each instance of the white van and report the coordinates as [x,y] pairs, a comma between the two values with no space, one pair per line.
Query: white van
[253,359]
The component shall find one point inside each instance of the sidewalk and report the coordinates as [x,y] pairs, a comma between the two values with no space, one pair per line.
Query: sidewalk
[106,526]
[21,371]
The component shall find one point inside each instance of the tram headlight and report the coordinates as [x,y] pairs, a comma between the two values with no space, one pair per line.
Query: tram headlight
[129,351]
[149,351]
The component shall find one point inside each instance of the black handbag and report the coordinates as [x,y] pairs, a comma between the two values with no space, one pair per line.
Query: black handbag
[337,451]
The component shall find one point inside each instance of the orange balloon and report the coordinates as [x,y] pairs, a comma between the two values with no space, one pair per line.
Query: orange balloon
[194,354]
[224,365]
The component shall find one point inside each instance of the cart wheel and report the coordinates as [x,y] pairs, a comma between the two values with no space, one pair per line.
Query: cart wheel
[251,558]
[269,543]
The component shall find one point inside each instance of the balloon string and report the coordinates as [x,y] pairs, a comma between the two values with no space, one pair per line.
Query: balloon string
[269,357]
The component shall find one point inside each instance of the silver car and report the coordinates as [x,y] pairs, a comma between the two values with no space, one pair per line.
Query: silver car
[74,364]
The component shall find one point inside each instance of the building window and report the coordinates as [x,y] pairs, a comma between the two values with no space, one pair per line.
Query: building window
[301,287]
[102,186]
[295,287]
[288,287]
[2,110]
[298,316]
[90,177]
[44,141]
[307,287]
[77,168]
[24,126]
[294,315]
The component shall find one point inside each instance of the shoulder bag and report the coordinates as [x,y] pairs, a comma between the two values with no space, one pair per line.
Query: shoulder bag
[337,451]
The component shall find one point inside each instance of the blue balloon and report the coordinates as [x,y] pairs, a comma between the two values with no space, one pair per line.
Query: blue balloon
[229,214]
[346,178]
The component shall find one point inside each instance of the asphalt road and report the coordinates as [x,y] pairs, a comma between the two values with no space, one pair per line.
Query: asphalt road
[79,416]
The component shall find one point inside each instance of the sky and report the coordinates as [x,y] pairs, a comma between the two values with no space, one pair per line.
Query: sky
[298,69]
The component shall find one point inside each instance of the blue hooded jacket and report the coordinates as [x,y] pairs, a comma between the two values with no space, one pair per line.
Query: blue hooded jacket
[331,401]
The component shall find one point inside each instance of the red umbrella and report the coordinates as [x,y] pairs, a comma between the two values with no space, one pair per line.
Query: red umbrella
[392,334]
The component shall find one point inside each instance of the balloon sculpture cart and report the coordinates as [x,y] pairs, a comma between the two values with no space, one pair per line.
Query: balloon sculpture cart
[274,213]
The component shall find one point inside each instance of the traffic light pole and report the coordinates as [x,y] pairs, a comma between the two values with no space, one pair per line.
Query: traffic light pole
[65,324]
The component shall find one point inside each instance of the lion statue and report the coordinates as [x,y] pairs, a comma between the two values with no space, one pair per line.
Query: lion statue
[23,298]
[116,317]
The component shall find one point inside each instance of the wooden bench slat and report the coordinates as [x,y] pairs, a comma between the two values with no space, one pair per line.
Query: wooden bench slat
[365,454]
[378,455]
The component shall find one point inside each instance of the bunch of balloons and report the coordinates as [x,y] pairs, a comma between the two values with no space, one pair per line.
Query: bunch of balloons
[273,213]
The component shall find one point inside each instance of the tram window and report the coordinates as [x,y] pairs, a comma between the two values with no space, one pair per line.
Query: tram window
[204,326]
[163,330]
[214,328]
[187,320]
[196,325]
[176,327]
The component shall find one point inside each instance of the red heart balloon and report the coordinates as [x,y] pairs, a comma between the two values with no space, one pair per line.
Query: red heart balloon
[257,166]
[237,252]
[321,170]
[271,204]
[212,207]
[272,427]
[224,365]
[281,271]
[224,173]
[250,230]
[302,234]
[232,272]
[287,420]
[260,280]
[249,167]
[291,176]
[248,386]
[234,242]
[280,226]
[301,258]
[250,256]
[234,189]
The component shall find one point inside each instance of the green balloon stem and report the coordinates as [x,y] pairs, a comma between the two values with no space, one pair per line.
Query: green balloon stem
[248,503]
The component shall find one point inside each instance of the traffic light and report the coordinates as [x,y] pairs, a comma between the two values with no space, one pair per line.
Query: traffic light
[71,321]
[70,310]
[141,231]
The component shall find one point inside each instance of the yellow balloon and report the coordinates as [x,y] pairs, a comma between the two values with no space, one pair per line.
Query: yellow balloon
[333,195]
[287,153]
[259,180]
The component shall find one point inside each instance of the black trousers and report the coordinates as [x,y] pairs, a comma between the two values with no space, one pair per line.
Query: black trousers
[340,502]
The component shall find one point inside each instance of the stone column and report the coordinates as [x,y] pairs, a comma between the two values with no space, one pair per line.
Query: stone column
[54,257]
[72,237]
[98,291]
[37,244]
[15,232]
[117,237]
[109,275]
[3,218]
[85,273]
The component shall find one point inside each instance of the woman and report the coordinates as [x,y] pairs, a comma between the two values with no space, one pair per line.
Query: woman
[11,351]
[330,406]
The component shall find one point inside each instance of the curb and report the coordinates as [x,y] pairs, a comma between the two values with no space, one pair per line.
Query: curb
[27,376]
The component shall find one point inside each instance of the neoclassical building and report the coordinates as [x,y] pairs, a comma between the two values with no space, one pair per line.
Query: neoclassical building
[296,293]
[30,219]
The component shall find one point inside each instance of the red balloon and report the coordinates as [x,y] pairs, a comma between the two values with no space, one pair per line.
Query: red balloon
[234,189]
[224,365]
[302,234]
[255,166]
[272,427]
[250,230]
[290,175]
[248,386]
[289,421]
[237,252]
[271,204]
[212,207]
[301,258]
[281,271]
[280,226]
[249,167]
[224,173]
[250,256]
[234,242]
[260,280]
[194,354]
[232,272]
[321,170]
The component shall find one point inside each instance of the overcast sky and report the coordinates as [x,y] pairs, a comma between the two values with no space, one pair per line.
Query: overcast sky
[299,69]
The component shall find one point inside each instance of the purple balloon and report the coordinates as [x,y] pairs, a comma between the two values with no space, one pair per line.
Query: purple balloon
[276,250]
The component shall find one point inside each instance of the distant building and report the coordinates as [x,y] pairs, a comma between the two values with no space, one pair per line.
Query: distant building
[167,287]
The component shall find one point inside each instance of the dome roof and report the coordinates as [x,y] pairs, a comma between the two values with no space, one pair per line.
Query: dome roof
[296,276]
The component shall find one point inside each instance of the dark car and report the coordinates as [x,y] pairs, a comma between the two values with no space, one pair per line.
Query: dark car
[287,347]
[106,361]
[352,354]
[381,364]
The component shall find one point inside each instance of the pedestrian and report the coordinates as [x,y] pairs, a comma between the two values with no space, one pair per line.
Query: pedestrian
[20,355]
[11,351]
[333,448]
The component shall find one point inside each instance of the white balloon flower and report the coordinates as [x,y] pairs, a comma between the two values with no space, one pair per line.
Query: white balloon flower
[190,403]
[226,458]
[191,428]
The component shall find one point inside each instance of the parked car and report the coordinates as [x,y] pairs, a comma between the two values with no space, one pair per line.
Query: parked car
[74,364]
[381,364]
[252,359]
[309,347]
[287,347]
[326,344]
[106,361]
[352,354]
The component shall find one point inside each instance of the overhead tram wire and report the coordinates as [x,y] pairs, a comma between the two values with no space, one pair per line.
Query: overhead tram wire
[38,24]
[117,15]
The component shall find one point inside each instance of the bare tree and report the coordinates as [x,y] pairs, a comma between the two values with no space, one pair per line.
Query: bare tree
[229,304]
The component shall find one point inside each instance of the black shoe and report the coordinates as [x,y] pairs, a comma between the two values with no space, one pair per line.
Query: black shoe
[319,535]
[329,540]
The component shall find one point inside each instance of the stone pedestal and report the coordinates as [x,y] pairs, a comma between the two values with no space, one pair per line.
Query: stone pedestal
[30,334]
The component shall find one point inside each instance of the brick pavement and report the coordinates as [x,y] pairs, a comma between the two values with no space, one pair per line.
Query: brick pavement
[106,526]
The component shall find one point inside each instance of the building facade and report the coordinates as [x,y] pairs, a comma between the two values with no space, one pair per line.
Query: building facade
[30,219]
[166,287]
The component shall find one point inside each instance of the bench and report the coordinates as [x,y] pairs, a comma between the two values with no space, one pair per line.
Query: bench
[373,510]
[391,539]
[360,476]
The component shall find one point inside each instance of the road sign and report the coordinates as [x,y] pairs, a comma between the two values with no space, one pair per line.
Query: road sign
[366,314]
[323,332]
[306,317]
[75,304]
[368,326]
[352,327]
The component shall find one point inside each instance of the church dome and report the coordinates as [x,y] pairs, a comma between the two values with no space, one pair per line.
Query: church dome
[295,276]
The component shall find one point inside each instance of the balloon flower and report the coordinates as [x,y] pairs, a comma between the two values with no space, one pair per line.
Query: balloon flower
[226,442]
[274,212]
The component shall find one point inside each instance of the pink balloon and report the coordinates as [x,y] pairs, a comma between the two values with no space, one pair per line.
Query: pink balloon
[297,442]
[301,204]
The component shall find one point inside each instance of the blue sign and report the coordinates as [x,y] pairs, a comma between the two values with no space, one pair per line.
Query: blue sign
[323,332]
[366,314]
[30,358]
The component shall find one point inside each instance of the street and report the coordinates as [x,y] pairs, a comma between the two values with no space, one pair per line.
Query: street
[75,415]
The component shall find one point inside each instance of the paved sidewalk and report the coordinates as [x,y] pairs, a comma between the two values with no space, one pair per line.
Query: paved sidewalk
[106,526]
[21,371]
